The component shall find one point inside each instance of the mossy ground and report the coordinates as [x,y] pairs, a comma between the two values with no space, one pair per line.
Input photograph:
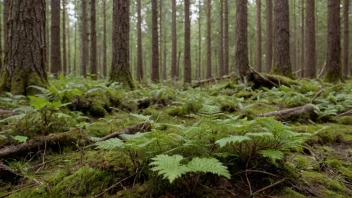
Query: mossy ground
[322,168]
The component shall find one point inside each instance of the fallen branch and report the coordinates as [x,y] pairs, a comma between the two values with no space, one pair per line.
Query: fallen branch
[211,80]
[287,114]
[142,127]
[347,113]
[7,113]
[18,190]
[267,187]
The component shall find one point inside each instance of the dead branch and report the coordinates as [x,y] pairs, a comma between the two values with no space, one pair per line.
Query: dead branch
[288,114]
[142,127]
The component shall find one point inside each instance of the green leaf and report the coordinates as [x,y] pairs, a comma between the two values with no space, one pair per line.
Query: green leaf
[169,166]
[110,144]
[21,139]
[232,139]
[208,165]
[272,154]
[259,134]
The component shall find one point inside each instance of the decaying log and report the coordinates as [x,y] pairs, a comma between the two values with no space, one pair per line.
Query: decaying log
[288,114]
[8,174]
[142,127]
[269,81]
[212,80]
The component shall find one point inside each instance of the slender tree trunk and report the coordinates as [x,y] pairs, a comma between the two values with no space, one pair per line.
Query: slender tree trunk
[282,64]
[105,63]
[163,40]
[294,43]
[6,19]
[75,51]
[221,40]
[68,48]
[269,35]
[303,39]
[55,38]
[93,36]
[346,38]
[1,52]
[160,38]
[155,43]
[209,72]
[174,42]
[241,39]
[84,39]
[120,68]
[310,43]
[259,36]
[188,69]
[64,56]
[47,40]
[25,59]
[333,57]
[139,44]
[199,41]
[226,41]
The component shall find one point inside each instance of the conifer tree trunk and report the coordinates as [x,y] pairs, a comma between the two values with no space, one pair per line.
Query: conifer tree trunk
[55,38]
[226,39]
[199,41]
[310,43]
[93,36]
[75,51]
[294,43]
[25,59]
[64,63]
[163,43]
[120,68]
[1,52]
[174,42]
[187,70]
[68,47]
[259,36]
[139,42]
[269,35]
[345,38]
[221,40]
[155,43]
[333,52]
[5,20]
[209,69]
[241,39]
[84,39]
[282,65]
[303,39]
[105,62]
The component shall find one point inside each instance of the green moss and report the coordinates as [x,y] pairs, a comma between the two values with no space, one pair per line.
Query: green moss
[289,193]
[36,192]
[191,106]
[308,86]
[137,191]
[345,120]
[305,163]
[333,77]
[57,177]
[340,168]
[244,94]
[84,182]
[97,111]
[320,179]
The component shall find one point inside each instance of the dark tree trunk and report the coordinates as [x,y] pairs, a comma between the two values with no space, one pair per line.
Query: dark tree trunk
[84,39]
[25,59]
[155,42]
[333,56]
[226,39]
[221,40]
[241,39]
[199,42]
[105,62]
[1,52]
[209,72]
[345,38]
[120,68]
[282,64]
[174,42]
[68,47]
[93,36]
[75,51]
[187,70]
[294,43]
[259,36]
[269,35]
[303,39]
[163,43]
[139,44]
[64,56]
[55,38]
[310,43]
[6,19]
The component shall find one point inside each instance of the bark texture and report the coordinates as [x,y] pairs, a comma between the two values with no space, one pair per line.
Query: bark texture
[139,42]
[6,19]
[187,70]
[333,56]
[174,42]
[241,39]
[64,49]
[226,38]
[282,65]
[93,34]
[221,39]
[269,35]
[55,38]
[259,36]
[209,69]
[155,42]
[84,39]
[120,68]
[345,38]
[25,59]
[105,62]
[310,43]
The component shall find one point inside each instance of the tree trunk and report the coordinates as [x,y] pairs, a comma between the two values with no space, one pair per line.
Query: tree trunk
[188,69]
[68,47]
[282,64]
[241,39]
[93,36]
[294,46]
[269,35]
[174,42]
[310,43]
[221,40]
[105,63]
[259,36]
[139,42]
[226,39]
[163,43]
[209,72]
[303,39]
[333,56]
[120,68]
[1,52]
[160,39]
[55,38]
[6,19]
[75,51]
[155,42]
[346,38]
[25,59]
[84,39]
[64,64]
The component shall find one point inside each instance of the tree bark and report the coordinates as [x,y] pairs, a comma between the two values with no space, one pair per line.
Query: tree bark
[75,51]
[155,42]
[163,43]
[120,68]
[1,52]
[55,38]
[310,43]
[259,36]
[25,59]
[105,63]
[209,69]
[294,43]
[93,36]
[188,69]
[241,39]
[139,42]
[199,42]
[282,65]
[269,35]
[64,57]
[84,39]
[346,38]
[174,42]
[221,40]
[226,38]
[6,19]
[333,57]
[303,39]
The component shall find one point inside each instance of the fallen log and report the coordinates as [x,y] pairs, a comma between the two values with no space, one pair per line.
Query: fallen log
[66,138]
[212,80]
[269,81]
[8,174]
[306,111]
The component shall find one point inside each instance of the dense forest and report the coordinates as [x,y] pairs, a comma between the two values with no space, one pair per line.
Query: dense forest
[171,98]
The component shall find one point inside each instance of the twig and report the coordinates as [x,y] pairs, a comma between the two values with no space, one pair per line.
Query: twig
[256,171]
[18,190]
[322,70]
[267,187]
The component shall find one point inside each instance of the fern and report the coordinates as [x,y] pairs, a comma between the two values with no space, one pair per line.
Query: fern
[210,165]
[232,139]
[272,154]
[169,166]
[110,144]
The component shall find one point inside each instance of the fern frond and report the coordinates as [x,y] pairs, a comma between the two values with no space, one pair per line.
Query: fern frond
[232,139]
[259,134]
[210,165]
[272,154]
[169,166]
[110,144]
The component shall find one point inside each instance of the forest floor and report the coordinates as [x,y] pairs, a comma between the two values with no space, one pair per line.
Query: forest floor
[83,138]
